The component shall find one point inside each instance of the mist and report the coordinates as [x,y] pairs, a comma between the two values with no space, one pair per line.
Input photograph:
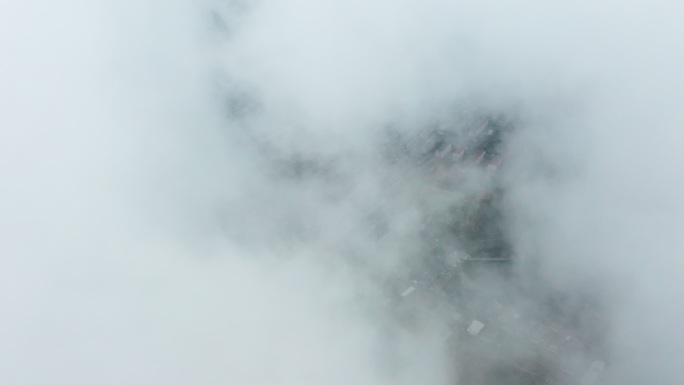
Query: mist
[236,192]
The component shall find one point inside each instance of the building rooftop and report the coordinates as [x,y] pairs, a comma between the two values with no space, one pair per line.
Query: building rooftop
[475,327]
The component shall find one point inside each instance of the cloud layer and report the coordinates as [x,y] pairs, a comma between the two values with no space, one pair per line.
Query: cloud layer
[153,231]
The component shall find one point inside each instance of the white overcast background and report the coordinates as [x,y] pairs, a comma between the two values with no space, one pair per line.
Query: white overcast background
[139,235]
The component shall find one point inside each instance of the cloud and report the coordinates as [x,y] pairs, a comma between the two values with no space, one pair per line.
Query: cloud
[180,206]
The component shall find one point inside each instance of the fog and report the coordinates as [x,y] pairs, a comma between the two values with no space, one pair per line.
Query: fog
[211,192]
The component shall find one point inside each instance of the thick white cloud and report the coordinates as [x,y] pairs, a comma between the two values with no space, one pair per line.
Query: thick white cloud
[116,162]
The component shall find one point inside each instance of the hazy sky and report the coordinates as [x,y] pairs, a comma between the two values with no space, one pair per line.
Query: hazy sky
[142,241]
